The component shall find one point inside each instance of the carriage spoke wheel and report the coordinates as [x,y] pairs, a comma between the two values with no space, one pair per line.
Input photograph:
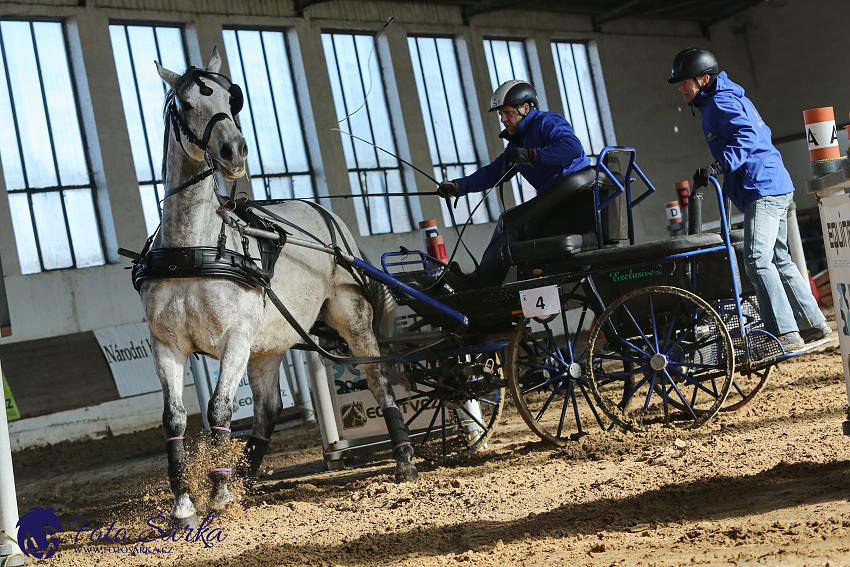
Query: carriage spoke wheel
[673,347]
[454,404]
[547,376]
[748,381]
[745,386]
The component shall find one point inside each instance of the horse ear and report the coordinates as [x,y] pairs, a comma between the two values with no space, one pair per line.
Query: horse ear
[169,77]
[215,61]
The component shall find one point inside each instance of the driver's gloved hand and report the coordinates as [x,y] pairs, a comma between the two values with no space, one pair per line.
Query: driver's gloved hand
[522,156]
[447,189]
[701,177]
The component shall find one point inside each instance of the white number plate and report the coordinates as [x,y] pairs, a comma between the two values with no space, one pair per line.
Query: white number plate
[540,301]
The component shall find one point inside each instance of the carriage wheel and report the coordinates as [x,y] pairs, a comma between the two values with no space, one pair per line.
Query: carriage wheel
[547,377]
[748,381]
[745,386]
[674,347]
[454,404]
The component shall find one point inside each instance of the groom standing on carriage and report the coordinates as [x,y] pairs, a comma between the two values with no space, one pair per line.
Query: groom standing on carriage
[756,181]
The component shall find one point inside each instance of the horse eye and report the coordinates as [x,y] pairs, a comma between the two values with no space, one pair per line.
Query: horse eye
[185,105]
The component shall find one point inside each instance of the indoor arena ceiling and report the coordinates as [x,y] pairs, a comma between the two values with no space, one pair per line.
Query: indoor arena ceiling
[705,12]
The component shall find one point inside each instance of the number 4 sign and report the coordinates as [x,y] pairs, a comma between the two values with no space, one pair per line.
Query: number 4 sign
[540,301]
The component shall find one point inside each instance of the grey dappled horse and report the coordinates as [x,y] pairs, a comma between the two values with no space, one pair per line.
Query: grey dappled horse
[226,319]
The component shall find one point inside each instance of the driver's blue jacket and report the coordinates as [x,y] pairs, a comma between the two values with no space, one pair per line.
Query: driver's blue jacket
[559,153]
[740,140]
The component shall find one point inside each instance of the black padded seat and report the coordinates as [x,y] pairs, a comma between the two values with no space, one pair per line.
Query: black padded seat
[545,248]
[645,251]
[568,248]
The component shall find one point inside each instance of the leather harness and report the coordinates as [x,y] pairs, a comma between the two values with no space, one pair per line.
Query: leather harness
[218,261]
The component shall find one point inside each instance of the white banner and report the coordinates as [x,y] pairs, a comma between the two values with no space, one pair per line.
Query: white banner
[358,415]
[835,220]
[127,350]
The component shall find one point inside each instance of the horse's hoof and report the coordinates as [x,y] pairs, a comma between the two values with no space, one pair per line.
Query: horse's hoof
[190,522]
[221,501]
[406,473]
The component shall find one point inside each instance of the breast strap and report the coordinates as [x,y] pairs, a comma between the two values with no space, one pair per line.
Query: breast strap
[198,261]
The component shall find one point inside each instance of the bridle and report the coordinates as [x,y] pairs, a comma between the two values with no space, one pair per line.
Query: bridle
[178,124]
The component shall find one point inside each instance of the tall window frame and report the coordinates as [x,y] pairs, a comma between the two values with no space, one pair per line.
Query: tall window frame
[448,126]
[361,102]
[46,164]
[581,97]
[507,59]
[279,161]
[134,47]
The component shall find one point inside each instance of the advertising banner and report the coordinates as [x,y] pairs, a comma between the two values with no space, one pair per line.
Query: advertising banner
[358,415]
[128,352]
[835,220]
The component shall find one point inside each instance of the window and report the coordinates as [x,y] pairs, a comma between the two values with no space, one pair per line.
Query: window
[51,194]
[579,95]
[506,60]
[135,48]
[277,159]
[446,117]
[361,106]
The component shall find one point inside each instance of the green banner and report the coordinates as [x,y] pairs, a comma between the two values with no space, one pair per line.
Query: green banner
[12,412]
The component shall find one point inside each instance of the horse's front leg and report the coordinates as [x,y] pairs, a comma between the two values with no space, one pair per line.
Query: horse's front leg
[233,361]
[169,367]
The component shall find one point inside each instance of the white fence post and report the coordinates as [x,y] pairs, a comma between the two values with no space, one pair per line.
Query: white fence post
[8,498]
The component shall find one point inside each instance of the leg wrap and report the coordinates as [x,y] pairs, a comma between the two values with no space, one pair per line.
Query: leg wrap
[176,462]
[255,450]
[397,429]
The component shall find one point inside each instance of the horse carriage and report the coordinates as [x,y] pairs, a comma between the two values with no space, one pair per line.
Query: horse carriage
[659,332]
[597,331]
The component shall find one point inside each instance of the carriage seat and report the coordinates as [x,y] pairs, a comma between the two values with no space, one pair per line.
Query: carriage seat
[567,253]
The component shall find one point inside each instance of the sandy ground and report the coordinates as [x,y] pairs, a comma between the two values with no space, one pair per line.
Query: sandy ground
[766,485]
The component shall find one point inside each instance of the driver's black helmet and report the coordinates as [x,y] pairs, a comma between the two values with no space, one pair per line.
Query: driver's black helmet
[692,62]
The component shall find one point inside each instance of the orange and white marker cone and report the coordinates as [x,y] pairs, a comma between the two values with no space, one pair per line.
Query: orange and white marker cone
[822,137]
[434,245]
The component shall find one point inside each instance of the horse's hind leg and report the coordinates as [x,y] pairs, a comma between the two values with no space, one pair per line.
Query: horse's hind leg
[170,367]
[351,315]
[264,375]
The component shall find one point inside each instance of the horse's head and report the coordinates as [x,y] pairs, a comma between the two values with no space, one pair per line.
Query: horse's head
[202,105]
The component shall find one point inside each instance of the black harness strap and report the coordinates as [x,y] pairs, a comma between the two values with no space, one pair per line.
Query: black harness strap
[198,261]
[196,179]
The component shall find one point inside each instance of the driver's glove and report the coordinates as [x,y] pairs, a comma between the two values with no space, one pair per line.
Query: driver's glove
[447,189]
[522,156]
[701,177]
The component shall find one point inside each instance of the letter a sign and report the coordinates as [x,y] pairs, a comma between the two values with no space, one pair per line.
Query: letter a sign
[821,135]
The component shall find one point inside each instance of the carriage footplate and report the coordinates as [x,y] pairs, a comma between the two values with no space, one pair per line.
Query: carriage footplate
[765,348]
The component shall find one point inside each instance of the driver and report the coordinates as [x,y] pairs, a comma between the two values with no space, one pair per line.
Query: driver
[546,152]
